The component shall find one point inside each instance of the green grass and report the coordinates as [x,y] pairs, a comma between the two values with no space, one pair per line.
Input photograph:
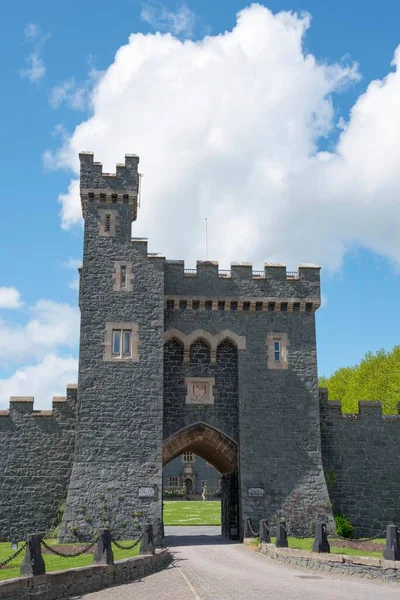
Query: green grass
[306,544]
[192,512]
[55,563]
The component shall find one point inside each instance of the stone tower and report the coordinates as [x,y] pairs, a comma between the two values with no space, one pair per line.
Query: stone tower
[120,401]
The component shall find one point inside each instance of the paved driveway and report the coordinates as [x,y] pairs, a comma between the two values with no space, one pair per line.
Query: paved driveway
[206,567]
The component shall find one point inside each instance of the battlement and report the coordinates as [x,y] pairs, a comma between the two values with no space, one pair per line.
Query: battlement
[273,283]
[365,408]
[25,405]
[121,187]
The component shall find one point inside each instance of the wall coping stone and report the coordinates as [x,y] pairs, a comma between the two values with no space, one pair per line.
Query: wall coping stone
[377,566]
[82,580]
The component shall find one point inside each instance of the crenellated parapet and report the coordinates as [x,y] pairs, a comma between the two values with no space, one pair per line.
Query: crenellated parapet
[366,408]
[242,288]
[121,187]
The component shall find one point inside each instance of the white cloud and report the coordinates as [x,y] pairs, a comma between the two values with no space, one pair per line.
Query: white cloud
[43,381]
[50,326]
[10,298]
[159,17]
[227,128]
[36,68]
[74,264]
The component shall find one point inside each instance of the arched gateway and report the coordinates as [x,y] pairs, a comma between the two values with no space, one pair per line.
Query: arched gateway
[220,363]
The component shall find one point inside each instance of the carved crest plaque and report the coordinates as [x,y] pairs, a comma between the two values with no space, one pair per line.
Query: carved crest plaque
[199,390]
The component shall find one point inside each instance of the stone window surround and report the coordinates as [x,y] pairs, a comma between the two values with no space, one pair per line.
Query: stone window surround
[212,340]
[103,212]
[133,328]
[208,397]
[309,305]
[284,341]
[174,481]
[117,276]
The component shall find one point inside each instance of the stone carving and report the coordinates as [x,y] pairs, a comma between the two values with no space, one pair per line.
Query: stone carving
[199,390]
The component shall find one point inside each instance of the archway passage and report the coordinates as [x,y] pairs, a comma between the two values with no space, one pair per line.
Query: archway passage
[220,451]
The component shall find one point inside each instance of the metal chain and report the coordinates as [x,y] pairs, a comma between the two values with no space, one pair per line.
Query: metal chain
[251,529]
[131,546]
[10,558]
[67,554]
[341,537]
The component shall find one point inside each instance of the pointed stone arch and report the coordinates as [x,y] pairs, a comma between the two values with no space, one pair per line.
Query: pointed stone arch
[211,444]
[201,334]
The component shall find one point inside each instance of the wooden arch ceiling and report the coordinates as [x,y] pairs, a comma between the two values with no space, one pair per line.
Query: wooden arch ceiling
[209,443]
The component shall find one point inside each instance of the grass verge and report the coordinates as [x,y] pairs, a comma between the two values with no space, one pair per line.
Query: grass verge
[307,543]
[56,563]
[192,512]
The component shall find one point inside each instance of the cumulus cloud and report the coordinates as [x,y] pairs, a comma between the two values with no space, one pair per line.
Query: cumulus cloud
[74,264]
[50,325]
[10,298]
[228,128]
[180,22]
[36,69]
[43,380]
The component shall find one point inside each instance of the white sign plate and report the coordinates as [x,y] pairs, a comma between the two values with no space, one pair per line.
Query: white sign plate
[256,492]
[147,492]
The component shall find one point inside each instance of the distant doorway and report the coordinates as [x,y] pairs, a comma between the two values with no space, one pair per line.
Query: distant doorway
[188,486]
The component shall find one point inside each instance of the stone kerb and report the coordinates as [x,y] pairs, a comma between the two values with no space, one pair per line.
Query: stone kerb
[82,580]
[363,566]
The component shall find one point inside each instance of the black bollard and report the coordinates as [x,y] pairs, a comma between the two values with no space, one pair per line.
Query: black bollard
[264,535]
[104,554]
[159,541]
[248,531]
[147,543]
[281,535]
[392,549]
[33,563]
[321,543]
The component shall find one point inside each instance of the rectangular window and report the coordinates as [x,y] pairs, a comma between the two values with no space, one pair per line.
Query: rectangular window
[107,225]
[246,305]
[188,456]
[182,304]
[259,306]
[277,351]
[309,306]
[170,304]
[208,304]
[284,306]
[296,307]
[271,306]
[234,305]
[221,305]
[116,342]
[173,481]
[196,304]
[123,276]
[126,347]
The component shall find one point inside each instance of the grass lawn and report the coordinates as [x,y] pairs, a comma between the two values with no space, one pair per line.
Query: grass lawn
[192,512]
[55,563]
[306,544]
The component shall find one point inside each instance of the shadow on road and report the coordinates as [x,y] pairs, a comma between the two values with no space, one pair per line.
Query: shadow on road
[194,536]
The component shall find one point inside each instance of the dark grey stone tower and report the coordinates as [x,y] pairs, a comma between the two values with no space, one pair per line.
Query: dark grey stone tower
[117,466]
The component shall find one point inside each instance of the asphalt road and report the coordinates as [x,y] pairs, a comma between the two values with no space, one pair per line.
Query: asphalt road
[207,567]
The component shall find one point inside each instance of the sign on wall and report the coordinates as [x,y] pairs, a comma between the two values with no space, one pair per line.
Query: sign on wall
[256,492]
[147,492]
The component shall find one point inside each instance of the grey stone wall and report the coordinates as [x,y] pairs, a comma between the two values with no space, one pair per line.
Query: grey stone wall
[36,449]
[223,414]
[361,461]
[120,403]
[279,429]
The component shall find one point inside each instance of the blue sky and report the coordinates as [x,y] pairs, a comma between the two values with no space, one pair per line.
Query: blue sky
[323,142]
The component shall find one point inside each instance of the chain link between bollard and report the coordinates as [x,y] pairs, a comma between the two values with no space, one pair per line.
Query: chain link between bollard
[11,558]
[252,530]
[67,554]
[131,546]
[333,534]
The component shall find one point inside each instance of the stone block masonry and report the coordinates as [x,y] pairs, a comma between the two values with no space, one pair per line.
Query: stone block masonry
[37,449]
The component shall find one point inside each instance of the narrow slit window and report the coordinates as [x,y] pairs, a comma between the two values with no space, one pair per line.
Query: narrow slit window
[208,304]
[170,304]
[309,306]
[183,304]
[195,304]
[259,306]
[284,306]
[296,307]
[234,305]
[126,345]
[107,225]
[123,276]
[277,351]
[116,342]
[271,306]
[246,305]
[221,305]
